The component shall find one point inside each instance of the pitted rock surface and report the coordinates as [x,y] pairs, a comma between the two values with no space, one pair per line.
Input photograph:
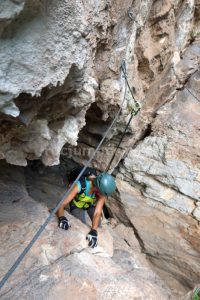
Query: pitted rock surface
[60,87]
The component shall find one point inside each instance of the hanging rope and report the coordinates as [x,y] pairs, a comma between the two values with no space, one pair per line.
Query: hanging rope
[124,71]
[192,94]
[135,109]
[120,141]
[43,226]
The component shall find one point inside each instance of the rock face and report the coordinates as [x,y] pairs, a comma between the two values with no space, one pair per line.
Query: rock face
[45,93]
[60,265]
[163,172]
[167,236]
[60,88]
[75,69]
[57,69]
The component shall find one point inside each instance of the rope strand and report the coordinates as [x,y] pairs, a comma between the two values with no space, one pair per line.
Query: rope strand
[135,109]
[192,94]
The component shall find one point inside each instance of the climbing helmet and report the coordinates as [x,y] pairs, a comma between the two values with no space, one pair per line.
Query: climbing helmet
[105,183]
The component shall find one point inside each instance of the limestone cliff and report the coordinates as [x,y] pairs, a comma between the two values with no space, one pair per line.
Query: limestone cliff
[61,86]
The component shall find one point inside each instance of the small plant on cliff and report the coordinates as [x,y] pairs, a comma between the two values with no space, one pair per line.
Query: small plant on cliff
[196,295]
[194,35]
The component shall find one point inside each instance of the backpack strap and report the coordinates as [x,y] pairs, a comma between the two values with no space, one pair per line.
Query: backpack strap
[83,185]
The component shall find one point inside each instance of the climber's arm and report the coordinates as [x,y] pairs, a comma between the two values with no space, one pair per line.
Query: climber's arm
[98,210]
[72,194]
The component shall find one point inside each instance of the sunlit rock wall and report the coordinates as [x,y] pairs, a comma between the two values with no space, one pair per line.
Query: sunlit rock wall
[61,86]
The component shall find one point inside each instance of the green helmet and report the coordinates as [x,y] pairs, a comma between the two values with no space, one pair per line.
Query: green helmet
[105,184]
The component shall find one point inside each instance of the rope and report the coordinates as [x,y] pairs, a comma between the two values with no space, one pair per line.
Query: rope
[192,94]
[135,109]
[43,226]
[123,68]
[112,158]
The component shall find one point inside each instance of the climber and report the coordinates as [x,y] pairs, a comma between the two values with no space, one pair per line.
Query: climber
[89,194]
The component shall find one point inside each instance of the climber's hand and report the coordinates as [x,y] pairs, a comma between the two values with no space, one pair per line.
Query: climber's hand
[92,238]
[63,223]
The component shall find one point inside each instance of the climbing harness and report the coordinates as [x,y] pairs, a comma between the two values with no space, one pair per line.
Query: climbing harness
[43,226]
[135,108]
[83,201]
